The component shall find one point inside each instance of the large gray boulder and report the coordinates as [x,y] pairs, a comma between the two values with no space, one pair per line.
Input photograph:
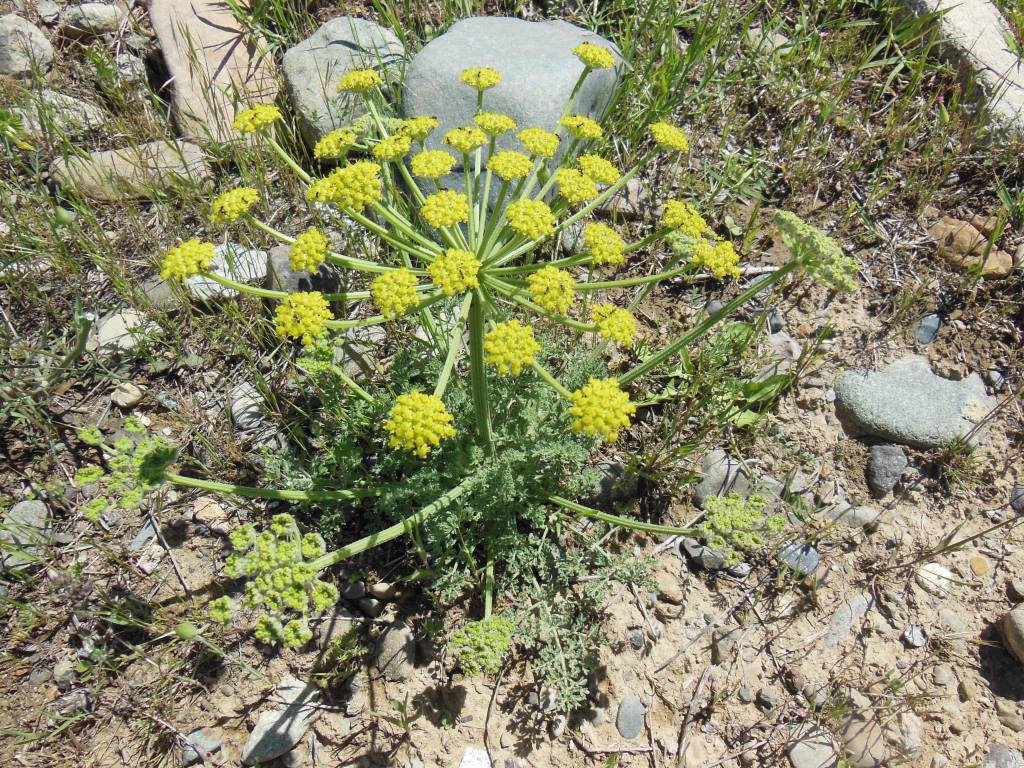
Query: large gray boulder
[314,67]
[538,71]
[908,404]
[22,47]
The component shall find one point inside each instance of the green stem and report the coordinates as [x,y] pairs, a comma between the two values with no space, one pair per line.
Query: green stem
[652,238]
[279,150]
[489,583]
[350,383]
[629,282]
[701,328]
[252,290]
[265,493]
[622,522]
[334,258]
[551,380]
[478,372]
[454,344]
[569,261]
[405,525]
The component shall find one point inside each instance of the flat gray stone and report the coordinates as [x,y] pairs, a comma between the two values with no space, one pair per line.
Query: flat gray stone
[843,619]
[278,730]
[91,20]
[722,475]
[59,113]
[802,559]
[630,720]
[812,749]
[235,262]
[26,528]
[850,516]
[22,47]
[885,468]
[248,408]
[538,71]
[281,276]
[1003,757]
[396,652]
[202,742]
[907,403]
[313,68]
[119,332]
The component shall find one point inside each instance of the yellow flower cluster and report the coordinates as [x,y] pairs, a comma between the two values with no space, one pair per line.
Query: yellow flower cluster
[667,136]
[335,144]
[720,258]
[309,251]
[254,118]
[597,168]
[509,346]
[614,323]
[231,204]
[445,208]
[582,127]
[455,271]
[394,292]
[352,187]
[301,316]
[432,163]
[189,258]
[531,218]
[594,56]
[574,186]
[509,164]
[466,139]
[494,123]
[540,142]
[683,218]
[601,409]
[480,78]
[393,148]
[604,245]
[552,289]
[418,423]
[418,127]
[359,81]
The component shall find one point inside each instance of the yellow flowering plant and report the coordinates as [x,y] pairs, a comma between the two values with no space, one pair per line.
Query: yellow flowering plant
[479,243]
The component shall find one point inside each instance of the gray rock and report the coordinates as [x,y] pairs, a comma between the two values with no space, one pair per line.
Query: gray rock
[776,321]
[852,517]
[130,68]
[812,749]
[724,641]
[914,637]
[313,68]
[538,71]
[995,379]
[768,699]
[745,694]
[630,720]
[709,559]
[354,590]
[26,529]
[862,740]
[722,475]
[636,639]
[713,306]
[842,620]
[278,730]
[201,743]
[927,328]
[126,395]
[1003,757]
[1008,716]
[1012,630]
[1017,498]
[614,484]
[22,47]
[91,20]
[936,579]
[234,262]
[336,624]
[59,113]
[141,171]
[885,467]
[48,10]
[802,559]
[119,332]
[396,652]
[248,408]
[39,677]
[785,352]
[908,404]
[162,294]
[281,277]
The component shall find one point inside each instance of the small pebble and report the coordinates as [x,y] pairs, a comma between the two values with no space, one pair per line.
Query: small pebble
[1017,498]
[914,637]
[745,694]
[980,566]
[776,322]
[126,395]
[967,690]
[995,379]
[935,578]
[927,328]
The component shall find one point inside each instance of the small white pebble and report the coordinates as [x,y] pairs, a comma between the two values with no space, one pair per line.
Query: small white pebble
[935,578]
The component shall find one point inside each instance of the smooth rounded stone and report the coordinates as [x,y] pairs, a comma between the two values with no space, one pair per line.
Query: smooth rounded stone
[862,741]
[313,68]
[614,484]
[908,404]
[943,675]
[1017,498]
[745,694]
[235,262]
[62,114]
[248,408]
[785,352]
[814,749]
[707,558]
[141,171]
[935,579]
[354,590]
[630,720]
[48,10]
[802,559]
[382,590]
[1016,590]
[22,47]
[1012,630]
[913,637]
[714,306]
[724,644]
[277,731]
[721,475]
[201,743]
[39,676]
[90,20]
[209,66]
[768,699]
[26,528]
[885,468]
[996,379]
[852,517]
[1000,756]
[281,276]
[396,652]
[850,611]
[776,321]
[926,329]
[538,71]
[1008,715]
[161,294]
[371,606]
[126,395]
[119,332]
